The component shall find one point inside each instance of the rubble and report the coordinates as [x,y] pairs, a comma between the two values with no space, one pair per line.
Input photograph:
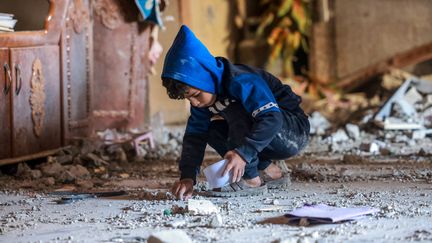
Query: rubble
[318,123]
[169,236]
[201,207]
[216,221]
[353,131]
[51,169]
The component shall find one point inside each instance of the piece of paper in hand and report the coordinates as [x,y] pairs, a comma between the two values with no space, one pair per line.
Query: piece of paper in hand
[213,174]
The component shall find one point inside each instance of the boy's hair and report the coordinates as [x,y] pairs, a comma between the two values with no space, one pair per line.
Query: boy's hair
[175,89]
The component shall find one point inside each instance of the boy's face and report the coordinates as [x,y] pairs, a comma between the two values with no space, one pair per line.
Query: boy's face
[199,98]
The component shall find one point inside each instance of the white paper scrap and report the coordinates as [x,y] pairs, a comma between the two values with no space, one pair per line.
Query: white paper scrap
[213,174]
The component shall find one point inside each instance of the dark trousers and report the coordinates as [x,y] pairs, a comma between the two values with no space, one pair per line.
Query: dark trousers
[227,134]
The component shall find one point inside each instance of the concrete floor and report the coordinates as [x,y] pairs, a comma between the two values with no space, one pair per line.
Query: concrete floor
[405,215]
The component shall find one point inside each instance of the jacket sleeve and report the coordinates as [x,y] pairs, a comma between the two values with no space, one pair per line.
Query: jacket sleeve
[259,101]
[194,143]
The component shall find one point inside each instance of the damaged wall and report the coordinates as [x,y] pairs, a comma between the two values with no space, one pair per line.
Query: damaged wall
[348,36]
[209,20]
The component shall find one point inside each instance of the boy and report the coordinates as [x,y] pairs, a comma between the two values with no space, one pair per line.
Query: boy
[246,114]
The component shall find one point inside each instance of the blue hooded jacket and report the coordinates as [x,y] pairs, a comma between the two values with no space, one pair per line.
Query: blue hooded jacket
[261,94]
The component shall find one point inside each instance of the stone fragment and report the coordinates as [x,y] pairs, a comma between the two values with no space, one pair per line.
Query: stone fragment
[201,207]
[35,174]
[79,171]
[353,131]
[120,155]
[339,136]
[23,170]
[85,184]
[49,181]
[96,160]
[51,169]
[413,96]
[216,221]
[318,123]
[385,151]
[66,177]
[63,159]
[374,148]
[169,236]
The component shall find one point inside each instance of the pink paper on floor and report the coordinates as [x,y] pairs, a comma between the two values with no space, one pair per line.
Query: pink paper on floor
[322,213]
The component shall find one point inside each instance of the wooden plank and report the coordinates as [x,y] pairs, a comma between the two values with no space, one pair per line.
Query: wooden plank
[31,156]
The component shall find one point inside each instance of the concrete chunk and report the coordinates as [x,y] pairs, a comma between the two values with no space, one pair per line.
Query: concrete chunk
[339,136]
[353,131]
[216,221]
[413,96]
[201,207]
[318,123]
[169,236]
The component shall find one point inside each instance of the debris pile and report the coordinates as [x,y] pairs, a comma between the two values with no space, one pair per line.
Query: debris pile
[400,127]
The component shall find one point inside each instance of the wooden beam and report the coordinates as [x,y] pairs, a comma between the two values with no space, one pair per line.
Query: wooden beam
[30,157]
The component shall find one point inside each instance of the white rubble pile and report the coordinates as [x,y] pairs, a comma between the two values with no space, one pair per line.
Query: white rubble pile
[361,140]
[405,120]
[167,146]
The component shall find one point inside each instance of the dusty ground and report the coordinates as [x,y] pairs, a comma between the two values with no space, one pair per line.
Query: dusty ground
[400,187]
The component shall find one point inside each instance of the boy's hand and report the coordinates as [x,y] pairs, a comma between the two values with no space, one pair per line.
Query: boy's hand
[183,189]
[236,164]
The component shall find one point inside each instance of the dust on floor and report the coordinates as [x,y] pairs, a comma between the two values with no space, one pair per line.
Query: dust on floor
[404,203]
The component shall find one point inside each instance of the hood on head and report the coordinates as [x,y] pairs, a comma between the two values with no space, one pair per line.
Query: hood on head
[190,62]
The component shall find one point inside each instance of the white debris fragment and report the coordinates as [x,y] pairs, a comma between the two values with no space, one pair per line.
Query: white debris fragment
[339,136]
[169,236]
[353,131]
[374,148]
[420,134]
[318,123]
[413,96]
[216,221]
[393,123]
[201,207]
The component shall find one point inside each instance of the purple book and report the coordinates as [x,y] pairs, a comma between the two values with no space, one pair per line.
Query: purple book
[322,213]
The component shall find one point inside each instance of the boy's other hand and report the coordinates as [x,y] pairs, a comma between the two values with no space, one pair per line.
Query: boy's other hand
[183,189]
[236,164]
